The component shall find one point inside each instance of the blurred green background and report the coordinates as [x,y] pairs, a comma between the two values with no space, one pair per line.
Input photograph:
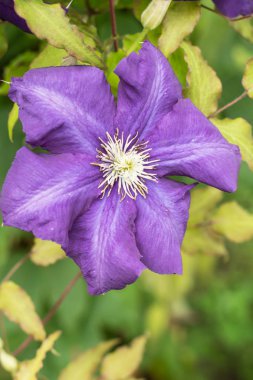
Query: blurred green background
[200,324]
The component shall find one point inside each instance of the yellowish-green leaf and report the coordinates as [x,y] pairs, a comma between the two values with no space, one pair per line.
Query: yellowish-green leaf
[203,241]
[153,15]
[46,252]
[244,27]
[50,22]
[204,87]
[85,365]
[29,369]
[12,120]
[19,308]
[178,23]
[202,202]
[247,80]
[49,56]
[124,362]
[232,221]
[239,132]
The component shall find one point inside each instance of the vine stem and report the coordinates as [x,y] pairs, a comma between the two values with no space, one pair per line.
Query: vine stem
[51,312]
[230,104]
[16,267]
[114,25]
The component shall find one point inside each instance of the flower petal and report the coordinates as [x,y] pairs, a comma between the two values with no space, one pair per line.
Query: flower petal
[188,144]
[234,8]
[102,243]
[7,13]
[147,91]
[64,109]
[45,193]
[161,224]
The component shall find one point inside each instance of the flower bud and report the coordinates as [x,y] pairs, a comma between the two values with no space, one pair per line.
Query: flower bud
[153,15]
[8,362]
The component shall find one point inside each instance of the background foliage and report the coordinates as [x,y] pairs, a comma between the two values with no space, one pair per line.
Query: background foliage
[199,325]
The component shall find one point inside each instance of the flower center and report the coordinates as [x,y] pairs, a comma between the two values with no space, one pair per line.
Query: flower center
[125,162]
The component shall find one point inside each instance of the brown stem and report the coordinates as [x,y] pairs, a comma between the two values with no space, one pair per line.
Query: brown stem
[230,104]
[16,267]
[51,312]
[113,25]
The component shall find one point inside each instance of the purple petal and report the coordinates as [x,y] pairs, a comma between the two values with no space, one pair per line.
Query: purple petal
[102,243]
[147,91]
[188,144]
[64,109]
[161,224]
[45,193]
[7,13]
[234,8]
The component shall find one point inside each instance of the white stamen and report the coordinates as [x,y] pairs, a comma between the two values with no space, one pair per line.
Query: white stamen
[127,163]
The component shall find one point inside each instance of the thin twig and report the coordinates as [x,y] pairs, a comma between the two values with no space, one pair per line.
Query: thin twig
[230,104]
[113,25]
[16,267]
[209,9]
[51,312]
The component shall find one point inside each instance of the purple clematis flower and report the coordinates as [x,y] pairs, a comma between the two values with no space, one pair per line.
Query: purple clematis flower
[235,8]
[8,13]
[101,190]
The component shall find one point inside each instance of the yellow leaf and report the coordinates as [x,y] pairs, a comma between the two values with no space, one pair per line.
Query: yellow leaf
[12,120]
[19,308]
[46,252]
[232,221]
[28,369]
[202,241]
[204,87]
[239,132]
[123,362]
[202,202]
[178,23]
[247,80]
[84,366]
[153,15]
[49,21]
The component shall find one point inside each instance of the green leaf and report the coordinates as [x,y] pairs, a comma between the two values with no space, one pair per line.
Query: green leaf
[202,202]
[204,87]
[46,252]
[247,80]
[85,365]
[12,120]
[178,23]
[28,369]
[19,308]
[49,21]
[3,41]
[123,362]
[239,132]
[244,27]
[232,221]
[153,15]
